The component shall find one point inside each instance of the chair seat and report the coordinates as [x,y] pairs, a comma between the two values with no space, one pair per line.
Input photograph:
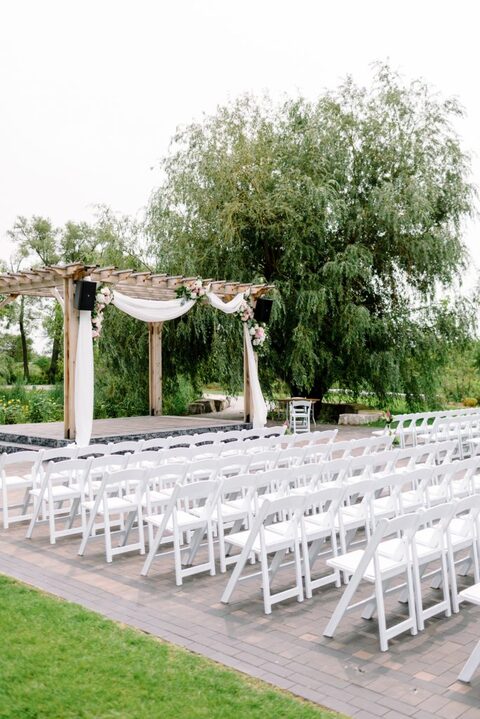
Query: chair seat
[185,520]
[471,594]
[114,504]
[274,540]
[349,562]
[59,492]
[17,482]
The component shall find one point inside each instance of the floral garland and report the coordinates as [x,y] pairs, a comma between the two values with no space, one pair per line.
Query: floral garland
[256,330]
[102,299]
[191,291]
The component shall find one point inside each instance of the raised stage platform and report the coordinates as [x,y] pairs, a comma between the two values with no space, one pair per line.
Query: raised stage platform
[50,434]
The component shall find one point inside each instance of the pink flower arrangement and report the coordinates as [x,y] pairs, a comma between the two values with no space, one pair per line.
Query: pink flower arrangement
[256,331]
[103,298]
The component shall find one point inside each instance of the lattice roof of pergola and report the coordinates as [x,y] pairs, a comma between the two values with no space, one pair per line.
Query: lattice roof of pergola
[44,281]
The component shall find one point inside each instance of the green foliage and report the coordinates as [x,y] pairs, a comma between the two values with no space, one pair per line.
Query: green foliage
[352,205]
[19,404]
[118,672]
[460,378]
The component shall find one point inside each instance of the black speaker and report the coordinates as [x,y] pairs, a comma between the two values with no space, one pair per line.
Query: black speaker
[263,309]
[85,295]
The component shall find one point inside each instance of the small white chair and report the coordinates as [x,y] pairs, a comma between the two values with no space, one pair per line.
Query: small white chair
[299,415]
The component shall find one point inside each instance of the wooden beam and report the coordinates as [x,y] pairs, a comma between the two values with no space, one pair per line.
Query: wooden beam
[70,334]
[7,301]
[155,367]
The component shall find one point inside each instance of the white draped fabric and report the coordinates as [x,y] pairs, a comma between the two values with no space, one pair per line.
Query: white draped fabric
[227,307]
[84,381]
[258,409]
[151,311]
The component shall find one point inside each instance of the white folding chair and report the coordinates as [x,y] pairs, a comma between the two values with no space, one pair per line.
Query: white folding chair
[177,521]
[299,416]
[471,594]
[463,535]
[319,527]
[21,476]
[375,567]
[155,443]
[430,546]
[115,499]
[262,540]
[62,482]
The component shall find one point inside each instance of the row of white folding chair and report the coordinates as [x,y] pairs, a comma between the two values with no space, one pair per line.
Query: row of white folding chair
[23,471]
[464,430]
[408,426]
[364,445]
[408,545]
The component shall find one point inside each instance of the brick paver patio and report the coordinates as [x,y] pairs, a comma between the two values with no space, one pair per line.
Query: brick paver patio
[416,678]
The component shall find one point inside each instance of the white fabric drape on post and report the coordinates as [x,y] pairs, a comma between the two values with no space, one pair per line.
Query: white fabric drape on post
[258,407]
[151,311]
[84,380]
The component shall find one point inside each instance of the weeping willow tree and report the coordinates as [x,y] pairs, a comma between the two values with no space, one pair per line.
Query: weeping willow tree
[352,206]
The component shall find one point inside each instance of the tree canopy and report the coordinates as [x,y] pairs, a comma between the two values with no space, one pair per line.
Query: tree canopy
[352,205]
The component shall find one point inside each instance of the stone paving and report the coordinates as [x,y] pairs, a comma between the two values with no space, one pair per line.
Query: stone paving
[416,678]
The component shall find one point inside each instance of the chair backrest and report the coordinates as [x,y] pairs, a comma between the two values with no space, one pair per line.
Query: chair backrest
[327,498]
[59,453]
[335,470]
[202,438]
[155,443]
[290,506]
[167,475]
[30,457]
[300,408]
[125,481]
[326,436]
[236,464]
[261,461]
[291,457]
[109,462]
[316,453]
[126,446]
[142,459]
[201,470]
[180,440]
[68,470]
[93,450]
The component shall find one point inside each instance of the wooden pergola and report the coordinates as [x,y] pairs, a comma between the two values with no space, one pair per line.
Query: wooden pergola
[59,281]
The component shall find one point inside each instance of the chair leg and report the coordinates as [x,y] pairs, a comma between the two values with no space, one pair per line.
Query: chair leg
[108,537]
[37,506]
[4,503]
[177,552]
[471,665]
[51,518]
[237,571]
[267,603]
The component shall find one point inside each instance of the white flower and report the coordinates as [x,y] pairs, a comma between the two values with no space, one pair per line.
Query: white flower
[252,331]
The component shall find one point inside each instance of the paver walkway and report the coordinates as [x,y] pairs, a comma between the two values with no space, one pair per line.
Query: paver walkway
[416,678]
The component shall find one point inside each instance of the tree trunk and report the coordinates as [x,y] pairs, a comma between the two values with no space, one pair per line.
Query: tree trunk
[57,344]
[52,370]
[26,373]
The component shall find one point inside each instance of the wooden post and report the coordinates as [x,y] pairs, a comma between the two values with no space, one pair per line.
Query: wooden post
[246,386]
[70,334]
[155,367]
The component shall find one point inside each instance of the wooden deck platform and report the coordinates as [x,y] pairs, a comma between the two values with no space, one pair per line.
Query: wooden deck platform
[50,434]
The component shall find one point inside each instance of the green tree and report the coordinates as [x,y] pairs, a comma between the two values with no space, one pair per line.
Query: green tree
[352,206]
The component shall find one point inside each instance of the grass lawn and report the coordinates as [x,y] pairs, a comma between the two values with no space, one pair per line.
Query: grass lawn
[59,661]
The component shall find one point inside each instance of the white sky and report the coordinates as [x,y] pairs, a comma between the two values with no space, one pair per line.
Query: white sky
[92,91]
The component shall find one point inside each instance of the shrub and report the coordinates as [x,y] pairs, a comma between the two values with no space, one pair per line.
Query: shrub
[469,402]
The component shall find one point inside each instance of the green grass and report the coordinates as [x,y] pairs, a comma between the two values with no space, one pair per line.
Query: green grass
[59,661]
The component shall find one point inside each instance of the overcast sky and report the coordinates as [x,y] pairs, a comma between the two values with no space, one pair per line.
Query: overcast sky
[92,91]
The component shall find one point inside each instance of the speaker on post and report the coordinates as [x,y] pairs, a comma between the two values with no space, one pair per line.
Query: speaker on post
[262,310]
[84,298]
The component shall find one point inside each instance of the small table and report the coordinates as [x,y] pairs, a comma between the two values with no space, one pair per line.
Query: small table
[472,594]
